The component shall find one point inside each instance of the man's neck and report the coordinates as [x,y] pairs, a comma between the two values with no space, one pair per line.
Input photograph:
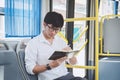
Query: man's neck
[49,39]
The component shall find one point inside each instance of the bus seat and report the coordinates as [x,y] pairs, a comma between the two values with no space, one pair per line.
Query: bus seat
[4,45]
[9,69]
[109,68]
[111,32]
[12,43]
[20,50]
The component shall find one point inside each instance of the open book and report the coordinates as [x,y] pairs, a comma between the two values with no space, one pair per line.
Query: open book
[59,54]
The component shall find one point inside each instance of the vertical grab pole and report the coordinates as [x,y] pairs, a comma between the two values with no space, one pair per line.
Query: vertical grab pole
[96,41]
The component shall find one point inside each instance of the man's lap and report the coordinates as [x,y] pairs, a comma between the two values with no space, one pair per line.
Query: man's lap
[70,76]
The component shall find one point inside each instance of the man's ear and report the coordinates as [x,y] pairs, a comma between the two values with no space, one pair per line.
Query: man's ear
[44,24]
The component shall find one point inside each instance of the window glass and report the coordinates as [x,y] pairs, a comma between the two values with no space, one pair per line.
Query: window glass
[109,7]
[106,7]
[79,26]
[78,40]
[60,6]
[22,18]
[61,9]
[80,8]
[119,8]
[2,5]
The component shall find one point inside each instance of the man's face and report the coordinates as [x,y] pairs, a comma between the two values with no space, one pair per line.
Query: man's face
[51,30]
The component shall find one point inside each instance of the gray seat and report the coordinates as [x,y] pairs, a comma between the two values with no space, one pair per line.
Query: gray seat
[20,50]
[4,46]
[12,43]
[109,68]
[8,63]
[111,33]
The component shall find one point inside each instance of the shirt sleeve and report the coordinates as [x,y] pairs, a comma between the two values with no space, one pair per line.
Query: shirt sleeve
[30,57]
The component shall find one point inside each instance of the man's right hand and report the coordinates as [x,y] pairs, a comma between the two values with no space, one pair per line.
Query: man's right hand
[57,62]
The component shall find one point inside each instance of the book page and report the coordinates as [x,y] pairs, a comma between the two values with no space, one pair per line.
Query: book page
[62,53]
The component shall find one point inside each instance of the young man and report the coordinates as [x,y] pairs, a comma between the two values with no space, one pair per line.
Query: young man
[40,48]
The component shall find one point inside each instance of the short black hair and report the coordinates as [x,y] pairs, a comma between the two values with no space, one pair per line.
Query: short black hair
[54,18]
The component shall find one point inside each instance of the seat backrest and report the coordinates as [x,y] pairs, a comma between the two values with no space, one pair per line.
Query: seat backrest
[109,68]
[4,45]
[111,33]
[21,55]
[20,51]
[12,43]
[8,63]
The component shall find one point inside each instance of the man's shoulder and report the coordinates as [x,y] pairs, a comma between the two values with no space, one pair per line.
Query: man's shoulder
[34,40]
[59,38]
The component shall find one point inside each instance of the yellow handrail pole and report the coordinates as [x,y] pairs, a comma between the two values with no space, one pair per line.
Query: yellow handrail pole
[109,54]
[101,30]
[96,41]
[101,33]
[79,19]
[96,36]
[62,36]
[77,66]
[108,16]
[81,48]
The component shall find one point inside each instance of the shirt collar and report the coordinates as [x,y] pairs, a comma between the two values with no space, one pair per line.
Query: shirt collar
[42,38]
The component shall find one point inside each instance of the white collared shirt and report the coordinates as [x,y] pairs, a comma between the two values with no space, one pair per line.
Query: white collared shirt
[38,51]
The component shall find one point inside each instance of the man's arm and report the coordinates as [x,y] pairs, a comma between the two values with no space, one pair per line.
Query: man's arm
[55,63]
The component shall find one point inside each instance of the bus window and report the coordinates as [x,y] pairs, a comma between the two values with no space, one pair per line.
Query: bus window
[79,26]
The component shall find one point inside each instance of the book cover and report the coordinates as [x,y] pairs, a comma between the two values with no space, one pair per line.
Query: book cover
[60,54]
